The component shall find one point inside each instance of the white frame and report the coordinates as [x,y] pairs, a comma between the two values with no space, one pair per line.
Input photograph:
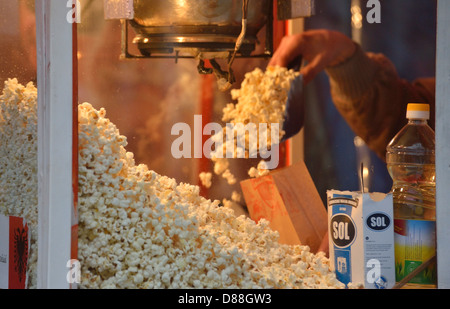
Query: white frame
[55,200]
[443,143]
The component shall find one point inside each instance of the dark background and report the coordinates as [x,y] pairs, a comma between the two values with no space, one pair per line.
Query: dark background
[407,36]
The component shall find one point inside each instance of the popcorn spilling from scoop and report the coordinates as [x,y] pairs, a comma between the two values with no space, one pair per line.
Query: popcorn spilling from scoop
[260,100]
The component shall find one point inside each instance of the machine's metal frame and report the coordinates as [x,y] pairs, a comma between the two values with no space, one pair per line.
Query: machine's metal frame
[55,82]
[125,53]
[161,47]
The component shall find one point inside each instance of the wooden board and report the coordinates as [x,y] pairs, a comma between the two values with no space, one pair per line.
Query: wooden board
[289,200]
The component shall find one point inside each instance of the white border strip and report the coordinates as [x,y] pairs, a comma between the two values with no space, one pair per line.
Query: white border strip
[54,81]
[442,143]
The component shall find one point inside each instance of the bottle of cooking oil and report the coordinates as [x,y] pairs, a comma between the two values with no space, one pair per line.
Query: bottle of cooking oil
[410,160]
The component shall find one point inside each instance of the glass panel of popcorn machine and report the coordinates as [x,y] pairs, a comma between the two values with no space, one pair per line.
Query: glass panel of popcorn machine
[18,151]
[158,104]
[143,218]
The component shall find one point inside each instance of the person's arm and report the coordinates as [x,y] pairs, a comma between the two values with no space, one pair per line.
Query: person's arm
[365,88]
[372,98]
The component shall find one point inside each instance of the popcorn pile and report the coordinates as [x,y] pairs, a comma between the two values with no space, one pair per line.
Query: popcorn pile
[18,160]
[139,229]
[260,100]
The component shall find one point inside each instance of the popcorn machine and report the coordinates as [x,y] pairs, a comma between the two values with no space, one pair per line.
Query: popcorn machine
[85,61]
[69,65]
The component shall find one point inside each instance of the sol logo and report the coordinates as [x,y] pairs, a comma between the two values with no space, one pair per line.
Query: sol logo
[378,221]
[343,230]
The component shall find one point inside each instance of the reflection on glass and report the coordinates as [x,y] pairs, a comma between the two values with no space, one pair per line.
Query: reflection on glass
[18,139]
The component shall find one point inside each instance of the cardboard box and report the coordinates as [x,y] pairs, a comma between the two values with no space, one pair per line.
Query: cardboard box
[361,238]
[289,200]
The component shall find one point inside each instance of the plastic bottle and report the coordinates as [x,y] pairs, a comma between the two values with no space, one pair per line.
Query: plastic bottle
[410,160]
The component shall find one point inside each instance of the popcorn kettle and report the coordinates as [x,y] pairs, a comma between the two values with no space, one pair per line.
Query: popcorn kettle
[202,29]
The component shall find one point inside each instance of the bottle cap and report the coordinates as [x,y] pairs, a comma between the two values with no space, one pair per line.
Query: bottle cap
[418,111]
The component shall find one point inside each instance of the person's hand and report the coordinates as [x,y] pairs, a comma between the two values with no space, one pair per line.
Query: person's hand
[320,48]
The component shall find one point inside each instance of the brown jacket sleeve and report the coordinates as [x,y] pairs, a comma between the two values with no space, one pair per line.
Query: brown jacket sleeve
[372,98]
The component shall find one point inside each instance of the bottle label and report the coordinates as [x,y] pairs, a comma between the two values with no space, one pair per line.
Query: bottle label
[415,243]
